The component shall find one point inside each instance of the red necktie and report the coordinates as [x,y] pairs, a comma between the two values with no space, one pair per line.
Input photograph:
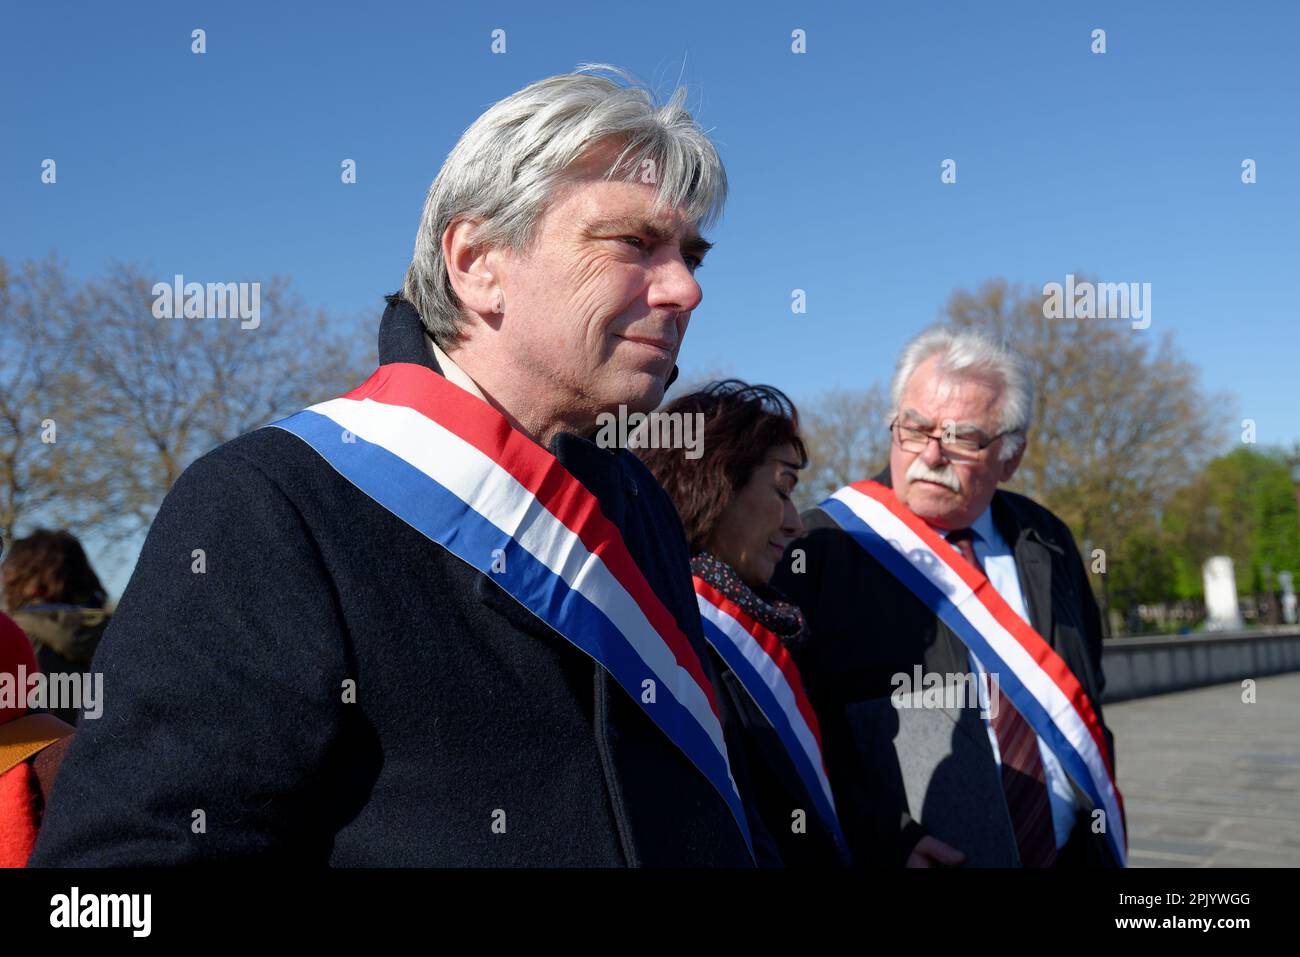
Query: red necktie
[1023,781]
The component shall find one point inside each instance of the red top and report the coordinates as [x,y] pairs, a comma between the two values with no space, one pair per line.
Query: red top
[20,795]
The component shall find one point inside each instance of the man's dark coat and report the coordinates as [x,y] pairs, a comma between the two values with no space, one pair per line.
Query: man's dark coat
[867,627]
[270,587]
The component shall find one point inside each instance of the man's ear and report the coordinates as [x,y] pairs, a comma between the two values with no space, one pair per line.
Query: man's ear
[1010,465]
[471,267]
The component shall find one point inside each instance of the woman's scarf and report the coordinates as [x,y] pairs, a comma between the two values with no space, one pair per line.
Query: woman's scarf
[765,605]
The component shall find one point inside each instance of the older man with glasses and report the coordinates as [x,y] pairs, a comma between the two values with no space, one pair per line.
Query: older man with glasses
[930,570]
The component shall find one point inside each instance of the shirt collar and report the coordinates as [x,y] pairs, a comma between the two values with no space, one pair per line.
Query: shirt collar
[455,373]
[984,527]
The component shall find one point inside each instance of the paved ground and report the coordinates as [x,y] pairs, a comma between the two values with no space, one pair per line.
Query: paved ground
[1210,781]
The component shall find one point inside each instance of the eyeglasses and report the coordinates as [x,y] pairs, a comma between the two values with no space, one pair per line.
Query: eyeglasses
[967,444]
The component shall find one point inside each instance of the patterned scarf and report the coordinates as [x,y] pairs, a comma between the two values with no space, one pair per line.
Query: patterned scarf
[766,605]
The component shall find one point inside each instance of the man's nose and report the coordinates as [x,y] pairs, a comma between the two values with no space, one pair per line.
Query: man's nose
[674,287]
[933,454]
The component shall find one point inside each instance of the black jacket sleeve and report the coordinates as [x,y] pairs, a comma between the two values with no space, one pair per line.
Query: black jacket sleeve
[873,812]
[223,685]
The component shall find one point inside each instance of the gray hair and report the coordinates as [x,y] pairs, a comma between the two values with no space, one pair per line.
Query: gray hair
[966,352]
[506,166]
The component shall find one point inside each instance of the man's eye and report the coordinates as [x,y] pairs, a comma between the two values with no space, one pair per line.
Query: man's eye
[693,262]
[633,240]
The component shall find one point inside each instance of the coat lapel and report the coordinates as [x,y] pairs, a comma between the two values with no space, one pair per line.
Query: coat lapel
[1033,561]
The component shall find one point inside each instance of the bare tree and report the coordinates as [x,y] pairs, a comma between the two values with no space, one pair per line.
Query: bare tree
[137,398]
[41,387]
[847,434]
[1121,422]
[1121,419]
[167,390]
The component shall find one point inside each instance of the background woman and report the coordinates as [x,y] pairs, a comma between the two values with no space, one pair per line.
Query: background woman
[55,596]
[735,502]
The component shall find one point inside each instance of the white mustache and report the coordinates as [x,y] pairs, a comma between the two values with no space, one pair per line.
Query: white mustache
[946,476]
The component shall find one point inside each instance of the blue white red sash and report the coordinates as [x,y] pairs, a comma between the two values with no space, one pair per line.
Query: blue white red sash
[1039,684]
[452,467]
[764,666]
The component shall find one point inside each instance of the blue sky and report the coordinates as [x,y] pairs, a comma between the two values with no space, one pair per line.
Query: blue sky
[1124,165]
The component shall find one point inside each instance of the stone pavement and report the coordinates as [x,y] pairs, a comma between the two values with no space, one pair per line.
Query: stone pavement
[1210,781]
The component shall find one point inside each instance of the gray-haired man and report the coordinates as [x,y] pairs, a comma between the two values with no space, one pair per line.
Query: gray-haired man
[435,623]
[931,571]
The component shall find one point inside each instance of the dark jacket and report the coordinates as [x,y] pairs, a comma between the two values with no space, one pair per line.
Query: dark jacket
[224,689]
[64,638]
[778,790]
[867,627]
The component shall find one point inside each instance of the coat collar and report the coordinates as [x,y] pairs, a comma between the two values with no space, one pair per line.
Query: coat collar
[403,338]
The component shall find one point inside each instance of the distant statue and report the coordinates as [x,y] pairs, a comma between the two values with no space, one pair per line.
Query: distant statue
[1221,610]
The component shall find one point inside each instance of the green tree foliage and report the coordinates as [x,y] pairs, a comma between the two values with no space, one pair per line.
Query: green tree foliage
[1242,505]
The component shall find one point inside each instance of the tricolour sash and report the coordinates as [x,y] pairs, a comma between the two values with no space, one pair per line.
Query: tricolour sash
[452,467]
[1039,684]
[764,666]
